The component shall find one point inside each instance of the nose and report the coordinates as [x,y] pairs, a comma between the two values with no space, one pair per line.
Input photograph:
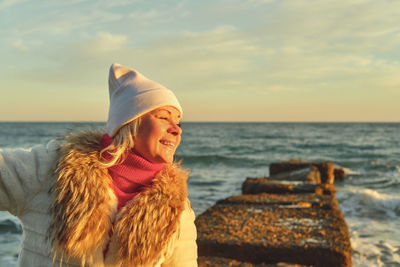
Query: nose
[175,129]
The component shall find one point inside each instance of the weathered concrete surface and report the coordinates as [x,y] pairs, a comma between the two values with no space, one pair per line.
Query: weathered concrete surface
[307,175]
[265,185]
[258,232]
[287,219]
[216,261]
[325,168]
[284,201]
[340,174]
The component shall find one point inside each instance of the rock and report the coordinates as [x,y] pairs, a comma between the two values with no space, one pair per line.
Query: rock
[265,185]
[325,168]
[250,229]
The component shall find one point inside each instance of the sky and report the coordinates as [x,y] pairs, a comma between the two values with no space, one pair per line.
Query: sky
[236,60]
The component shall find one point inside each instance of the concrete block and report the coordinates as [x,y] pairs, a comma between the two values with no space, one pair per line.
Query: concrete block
[325,168]
[340,174]
[269,234]
[307,200]
[308,175]
[216,261]
[265,185]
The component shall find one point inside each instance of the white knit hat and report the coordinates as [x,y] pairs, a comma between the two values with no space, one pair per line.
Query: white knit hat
[132,95]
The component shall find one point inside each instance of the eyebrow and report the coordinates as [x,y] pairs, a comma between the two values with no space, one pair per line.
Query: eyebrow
[169,112]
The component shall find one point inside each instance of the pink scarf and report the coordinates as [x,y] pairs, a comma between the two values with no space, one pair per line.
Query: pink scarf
[131,175]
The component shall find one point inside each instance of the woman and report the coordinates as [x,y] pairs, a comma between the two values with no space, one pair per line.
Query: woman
[114,199]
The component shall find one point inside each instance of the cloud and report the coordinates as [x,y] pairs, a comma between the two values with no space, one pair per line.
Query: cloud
[4,4]
[64,19]
[146,15]
[256,3]
[105,4]
[298,53]
[163,18]
[75,67]
[335,25]
[20,46]
[104,42]
[225,59]
[280,88]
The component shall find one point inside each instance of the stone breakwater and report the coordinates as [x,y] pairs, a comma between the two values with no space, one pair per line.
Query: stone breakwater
[288,219]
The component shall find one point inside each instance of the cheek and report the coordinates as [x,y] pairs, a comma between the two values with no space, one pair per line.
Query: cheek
[148,137]
[179,141]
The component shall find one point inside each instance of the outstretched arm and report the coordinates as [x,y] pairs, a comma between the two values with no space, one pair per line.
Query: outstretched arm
[22,173]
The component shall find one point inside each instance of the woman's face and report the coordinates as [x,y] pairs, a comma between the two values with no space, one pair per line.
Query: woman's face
[159,135]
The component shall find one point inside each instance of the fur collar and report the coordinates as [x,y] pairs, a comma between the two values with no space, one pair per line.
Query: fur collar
[84,209]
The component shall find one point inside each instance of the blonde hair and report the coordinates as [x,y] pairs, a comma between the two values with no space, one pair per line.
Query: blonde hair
[123,141]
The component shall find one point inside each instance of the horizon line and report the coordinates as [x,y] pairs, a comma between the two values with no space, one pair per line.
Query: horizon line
[17,121]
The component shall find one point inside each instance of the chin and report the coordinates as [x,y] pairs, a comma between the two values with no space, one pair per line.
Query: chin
[168,159]
[164,160]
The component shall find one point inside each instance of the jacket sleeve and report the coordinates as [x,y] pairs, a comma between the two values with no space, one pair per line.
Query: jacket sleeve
[22,174]
[185,250]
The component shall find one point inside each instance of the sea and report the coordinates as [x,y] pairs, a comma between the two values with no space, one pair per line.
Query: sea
[221,156]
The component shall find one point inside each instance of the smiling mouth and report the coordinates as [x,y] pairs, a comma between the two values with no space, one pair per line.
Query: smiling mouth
[167,143]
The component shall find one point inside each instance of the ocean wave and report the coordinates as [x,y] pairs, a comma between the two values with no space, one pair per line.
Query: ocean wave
[215,160]
[9,226]
[369,203]
[374,244]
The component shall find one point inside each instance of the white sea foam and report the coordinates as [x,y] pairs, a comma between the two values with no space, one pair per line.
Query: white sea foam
[373,221]
[347,170]
[374,243]
[350,171]
[368,203]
